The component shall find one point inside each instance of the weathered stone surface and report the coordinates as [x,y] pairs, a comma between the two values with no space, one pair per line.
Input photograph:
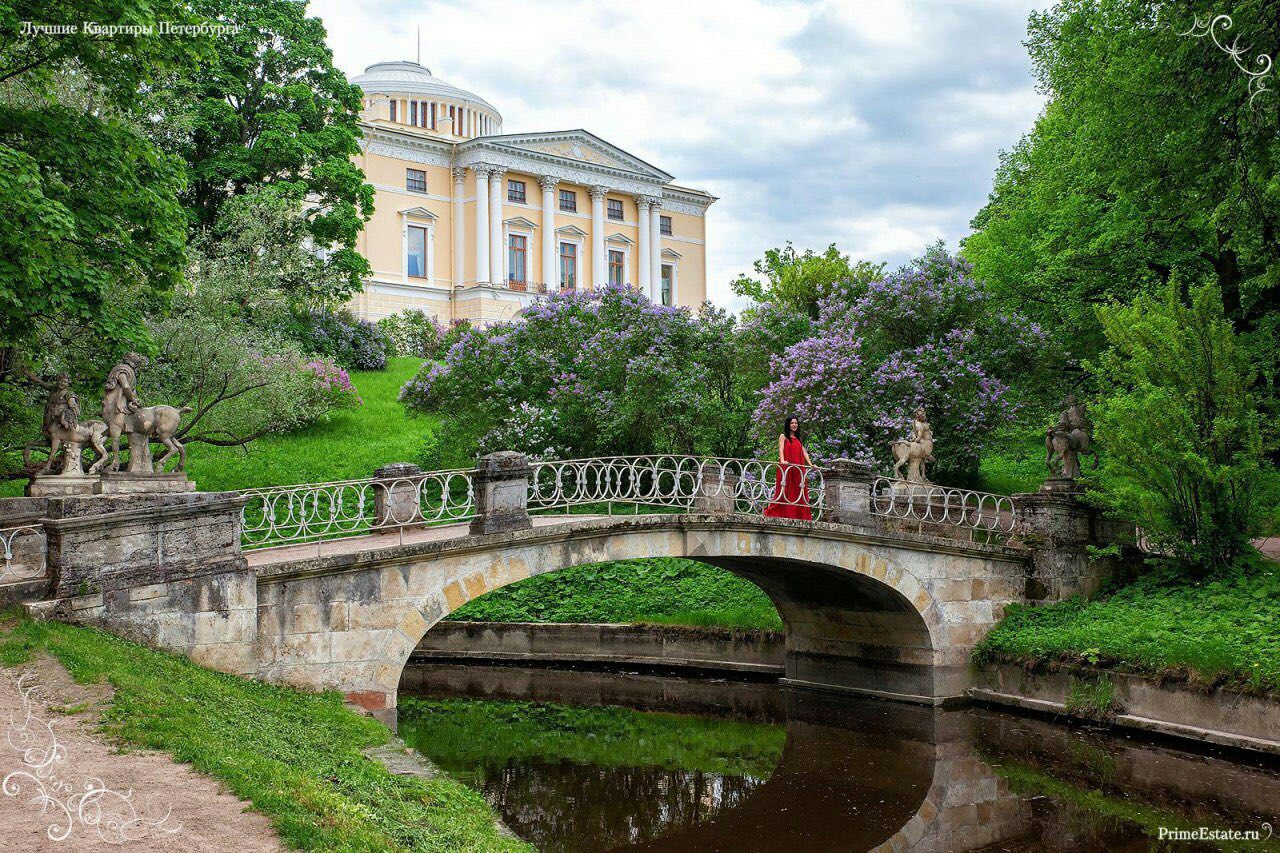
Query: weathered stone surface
[502,493]
[396,501]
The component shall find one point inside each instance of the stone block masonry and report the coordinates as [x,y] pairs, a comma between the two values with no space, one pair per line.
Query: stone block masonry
[165,570]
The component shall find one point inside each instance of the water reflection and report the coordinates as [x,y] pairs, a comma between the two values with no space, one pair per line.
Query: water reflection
[576,761]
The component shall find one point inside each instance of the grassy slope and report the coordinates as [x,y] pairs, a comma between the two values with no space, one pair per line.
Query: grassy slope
[1224,629]
[296,756]
[668,591]
[348,445]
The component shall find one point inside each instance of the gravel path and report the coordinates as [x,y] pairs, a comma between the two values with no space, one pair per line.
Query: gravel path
[202,816]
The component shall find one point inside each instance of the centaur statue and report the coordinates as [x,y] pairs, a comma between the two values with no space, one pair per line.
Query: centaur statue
[1065,443]
[124,414]
[915,451]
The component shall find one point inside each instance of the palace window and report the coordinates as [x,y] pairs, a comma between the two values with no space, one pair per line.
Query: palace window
[417,260]
[664,225]
[517,258]
[415,180]
[617,267]
[615,209]
[515,192]
[413,112]
[433,115]
[569,201]
[568,266]
[393,111]
[668,276]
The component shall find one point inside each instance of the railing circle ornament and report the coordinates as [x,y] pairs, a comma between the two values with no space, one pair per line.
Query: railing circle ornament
[982,512]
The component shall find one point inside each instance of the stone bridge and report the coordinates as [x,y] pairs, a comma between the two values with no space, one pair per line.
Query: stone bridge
[886,594]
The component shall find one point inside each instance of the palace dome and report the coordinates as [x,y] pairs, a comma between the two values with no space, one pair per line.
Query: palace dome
[410,78]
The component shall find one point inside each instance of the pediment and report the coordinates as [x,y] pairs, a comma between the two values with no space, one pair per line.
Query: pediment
[582,147]
[671,253]
[571,231]
[418,212]
[620,239]
[520,222]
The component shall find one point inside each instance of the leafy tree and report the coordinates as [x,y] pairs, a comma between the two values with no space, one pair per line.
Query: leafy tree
[267,107]
[1151,160]
[1180,429]
[88,240]
[801,281]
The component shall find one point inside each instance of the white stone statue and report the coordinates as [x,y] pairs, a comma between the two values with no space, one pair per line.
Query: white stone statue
[124,413]
[915,451]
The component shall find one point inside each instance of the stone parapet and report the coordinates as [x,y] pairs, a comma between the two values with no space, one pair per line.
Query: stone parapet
[1059,527]
[502,493]
[848,492]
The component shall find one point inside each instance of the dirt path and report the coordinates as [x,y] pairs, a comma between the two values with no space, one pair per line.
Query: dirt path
[201,815]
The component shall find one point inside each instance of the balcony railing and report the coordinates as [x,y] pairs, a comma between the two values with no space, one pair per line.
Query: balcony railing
[524,286]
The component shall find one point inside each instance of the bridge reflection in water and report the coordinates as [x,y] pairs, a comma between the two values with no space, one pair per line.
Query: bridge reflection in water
[750,766]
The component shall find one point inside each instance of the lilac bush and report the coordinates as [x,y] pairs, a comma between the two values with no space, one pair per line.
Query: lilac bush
[583,374]
[924,335]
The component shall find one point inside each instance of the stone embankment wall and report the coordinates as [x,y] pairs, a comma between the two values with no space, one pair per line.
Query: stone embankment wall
[669,646]
[1213,716]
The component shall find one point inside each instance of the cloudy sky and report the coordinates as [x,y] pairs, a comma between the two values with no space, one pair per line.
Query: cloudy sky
[873,125]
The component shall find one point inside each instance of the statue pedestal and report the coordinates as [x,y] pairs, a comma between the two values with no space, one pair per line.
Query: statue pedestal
[1061,486]
[129,483]
[61,485]
[140,461]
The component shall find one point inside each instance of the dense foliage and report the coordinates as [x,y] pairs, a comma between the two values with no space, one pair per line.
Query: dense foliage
[800,281]
[1222,628]
[926,335]
[1151,159]
[660,590]
[266,108]
[1182,437]
[297,757]
[586,374]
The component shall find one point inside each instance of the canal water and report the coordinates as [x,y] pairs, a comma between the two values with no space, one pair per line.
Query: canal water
[585,761]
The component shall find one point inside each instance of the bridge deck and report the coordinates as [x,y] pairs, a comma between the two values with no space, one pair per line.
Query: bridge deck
[379,541]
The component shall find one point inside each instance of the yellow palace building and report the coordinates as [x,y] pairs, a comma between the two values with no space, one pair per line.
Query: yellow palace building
[473,223]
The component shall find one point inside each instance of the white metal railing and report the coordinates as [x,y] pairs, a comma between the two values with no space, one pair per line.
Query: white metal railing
[981,513]
[747,486]
[11,570]
[316,512]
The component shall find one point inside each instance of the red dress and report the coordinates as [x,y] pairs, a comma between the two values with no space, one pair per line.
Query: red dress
[790,496]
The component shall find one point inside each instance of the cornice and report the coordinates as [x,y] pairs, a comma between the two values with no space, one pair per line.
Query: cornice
[549,165]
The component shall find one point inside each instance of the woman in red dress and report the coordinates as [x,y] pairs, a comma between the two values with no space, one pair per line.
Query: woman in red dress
[790,495]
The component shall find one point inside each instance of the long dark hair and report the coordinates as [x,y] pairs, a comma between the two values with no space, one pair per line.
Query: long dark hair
[786,427]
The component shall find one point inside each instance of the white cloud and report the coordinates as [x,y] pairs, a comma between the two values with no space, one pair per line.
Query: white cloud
[872,125]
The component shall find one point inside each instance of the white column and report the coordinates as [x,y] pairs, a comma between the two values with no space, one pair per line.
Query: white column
[497,257]
[549,277]
[459,227]
[482,224]
[599,264]
[655,251]
[646,285]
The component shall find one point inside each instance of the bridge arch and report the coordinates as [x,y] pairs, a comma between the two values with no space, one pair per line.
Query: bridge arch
[863,612]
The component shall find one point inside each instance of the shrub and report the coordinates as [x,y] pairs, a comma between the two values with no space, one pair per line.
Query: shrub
[926,335]
[413,333]
[592,373]
[355,344]
[1184,449]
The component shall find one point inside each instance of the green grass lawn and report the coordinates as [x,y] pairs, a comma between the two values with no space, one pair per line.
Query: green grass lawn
[1224,629]
[297,756]
[347,445]
[660,590]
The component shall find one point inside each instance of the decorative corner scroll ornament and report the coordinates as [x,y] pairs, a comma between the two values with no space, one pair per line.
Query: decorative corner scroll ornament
[86,803]
[1257,79]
